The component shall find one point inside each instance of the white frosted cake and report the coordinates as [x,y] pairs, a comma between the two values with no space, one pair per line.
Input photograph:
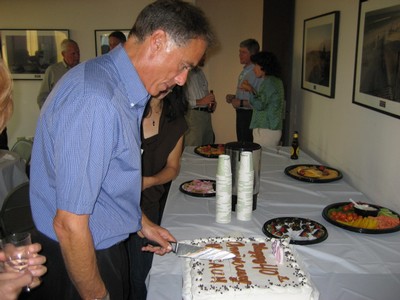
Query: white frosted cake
[257,272]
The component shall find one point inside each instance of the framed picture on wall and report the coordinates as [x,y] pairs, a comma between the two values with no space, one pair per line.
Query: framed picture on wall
[28,52]
[320,42]
[101,39]
[377,69]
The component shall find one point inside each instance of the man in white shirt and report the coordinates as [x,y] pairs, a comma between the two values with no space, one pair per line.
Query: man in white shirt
[201,104]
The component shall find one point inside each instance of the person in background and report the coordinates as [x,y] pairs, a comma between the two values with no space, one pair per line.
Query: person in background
[240,101]
[267,100]
[11,283]
[115,38]
[202,104]
[86,177]
[163,127]
[71,57]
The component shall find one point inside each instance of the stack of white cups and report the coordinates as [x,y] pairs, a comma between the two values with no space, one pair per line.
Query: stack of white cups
[244,206]
[223,193]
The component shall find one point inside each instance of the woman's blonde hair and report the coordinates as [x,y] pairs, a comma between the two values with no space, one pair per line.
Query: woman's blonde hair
[6,103]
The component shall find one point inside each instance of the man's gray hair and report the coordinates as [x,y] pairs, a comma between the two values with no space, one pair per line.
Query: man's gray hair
[65,43]
[250,44]
[182,21]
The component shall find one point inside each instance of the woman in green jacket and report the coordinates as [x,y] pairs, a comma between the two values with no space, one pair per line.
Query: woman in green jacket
[268,101]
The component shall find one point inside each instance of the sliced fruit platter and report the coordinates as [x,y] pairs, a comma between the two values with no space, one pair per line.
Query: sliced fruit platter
[313,173]
[210,151]
[300,231]
[199,187]
[362,217]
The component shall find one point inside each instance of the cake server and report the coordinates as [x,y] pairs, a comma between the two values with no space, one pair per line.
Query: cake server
[197,252]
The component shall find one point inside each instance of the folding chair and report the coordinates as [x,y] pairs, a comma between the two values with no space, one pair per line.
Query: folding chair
[16,215]
[23,147]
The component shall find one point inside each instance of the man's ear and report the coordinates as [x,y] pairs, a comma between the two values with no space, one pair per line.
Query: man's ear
[158,40]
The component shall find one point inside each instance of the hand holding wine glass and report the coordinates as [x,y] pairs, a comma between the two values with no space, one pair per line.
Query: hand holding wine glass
[12,282]
[17,253]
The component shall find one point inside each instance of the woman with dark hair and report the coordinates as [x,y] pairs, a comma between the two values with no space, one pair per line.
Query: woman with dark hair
[267,101]
[115,38]
[163,127]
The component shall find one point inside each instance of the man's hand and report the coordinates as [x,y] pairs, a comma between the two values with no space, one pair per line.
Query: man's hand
[235,103]
[229,98]
[158,234]
[246,86]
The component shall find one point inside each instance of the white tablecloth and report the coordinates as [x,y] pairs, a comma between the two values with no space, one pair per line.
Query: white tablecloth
[12,173]
[346,266]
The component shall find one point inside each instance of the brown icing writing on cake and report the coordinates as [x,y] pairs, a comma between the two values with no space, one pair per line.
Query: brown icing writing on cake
[260,260]
[217,246]
[238,262]
[218,272]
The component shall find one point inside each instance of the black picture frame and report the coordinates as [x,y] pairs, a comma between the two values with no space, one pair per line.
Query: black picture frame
[320,42]
[101,39]
[377,67]
[28,52]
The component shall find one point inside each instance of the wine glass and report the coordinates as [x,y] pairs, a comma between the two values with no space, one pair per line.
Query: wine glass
[16,252]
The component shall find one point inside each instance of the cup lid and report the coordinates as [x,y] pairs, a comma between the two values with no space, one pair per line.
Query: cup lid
[242,146]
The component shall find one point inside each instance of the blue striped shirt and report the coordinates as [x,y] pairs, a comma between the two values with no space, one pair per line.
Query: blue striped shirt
[86,156]
[249,75]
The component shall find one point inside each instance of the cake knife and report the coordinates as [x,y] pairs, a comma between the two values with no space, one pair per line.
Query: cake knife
[196,252]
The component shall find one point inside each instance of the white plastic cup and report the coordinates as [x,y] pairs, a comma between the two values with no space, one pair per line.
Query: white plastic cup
[224,165]
[223,192]
[244,206]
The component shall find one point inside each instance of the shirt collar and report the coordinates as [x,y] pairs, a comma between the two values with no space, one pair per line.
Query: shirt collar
[65,65]
[137,93]
[248,67]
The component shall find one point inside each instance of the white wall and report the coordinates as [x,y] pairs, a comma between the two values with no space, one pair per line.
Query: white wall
[364,144]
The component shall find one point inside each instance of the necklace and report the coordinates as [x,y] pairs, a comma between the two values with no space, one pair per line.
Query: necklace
[156,117]
[154,114]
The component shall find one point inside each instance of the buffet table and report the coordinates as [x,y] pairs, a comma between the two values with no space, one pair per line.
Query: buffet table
[346,266]
[12,173]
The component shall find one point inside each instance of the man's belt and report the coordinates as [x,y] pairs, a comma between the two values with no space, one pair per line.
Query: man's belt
[201,108]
